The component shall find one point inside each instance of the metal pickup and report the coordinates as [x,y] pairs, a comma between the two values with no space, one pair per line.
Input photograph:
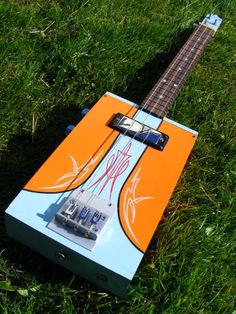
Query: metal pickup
[139,131]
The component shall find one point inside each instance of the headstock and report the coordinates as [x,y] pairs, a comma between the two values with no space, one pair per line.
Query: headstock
[212,21]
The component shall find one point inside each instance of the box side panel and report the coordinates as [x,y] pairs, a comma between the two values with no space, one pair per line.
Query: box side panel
[65,257]
[37,209]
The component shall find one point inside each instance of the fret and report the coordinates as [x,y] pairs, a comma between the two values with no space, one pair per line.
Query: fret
[165,93]
[165,98]
[152,109]
[186,61]
[164,102]
[166,89]
[161,106]
[161,103]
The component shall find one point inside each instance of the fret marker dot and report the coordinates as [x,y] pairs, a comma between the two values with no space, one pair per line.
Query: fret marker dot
[186,59]
[179,69]
[199,39]
[161,96]
[175,85]
[164,80]
[192,49]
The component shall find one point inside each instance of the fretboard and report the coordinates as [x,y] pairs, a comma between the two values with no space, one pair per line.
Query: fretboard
[163,94]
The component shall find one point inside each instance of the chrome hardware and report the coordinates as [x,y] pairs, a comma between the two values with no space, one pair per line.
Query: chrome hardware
[82,218]
[139,131]
[60,255]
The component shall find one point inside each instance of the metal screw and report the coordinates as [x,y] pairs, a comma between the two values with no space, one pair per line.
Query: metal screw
[60,255]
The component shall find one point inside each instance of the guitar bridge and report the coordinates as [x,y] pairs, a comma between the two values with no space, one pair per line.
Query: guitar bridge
[82,218]
[139,131]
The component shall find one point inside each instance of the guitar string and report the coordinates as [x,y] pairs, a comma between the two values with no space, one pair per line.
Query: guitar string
[175,60]
[183,49]
[178,58]
[192,63]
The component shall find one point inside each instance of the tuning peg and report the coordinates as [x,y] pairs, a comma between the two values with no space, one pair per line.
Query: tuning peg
[69,128]
[84,112]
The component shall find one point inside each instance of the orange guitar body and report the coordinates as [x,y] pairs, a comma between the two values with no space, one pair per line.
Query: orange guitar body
[148,187]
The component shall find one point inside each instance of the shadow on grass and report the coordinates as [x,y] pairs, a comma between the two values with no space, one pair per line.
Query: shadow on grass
[140,85]
[23,157]
[18,163]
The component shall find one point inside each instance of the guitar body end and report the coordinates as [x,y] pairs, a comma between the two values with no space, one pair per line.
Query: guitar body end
[126,183]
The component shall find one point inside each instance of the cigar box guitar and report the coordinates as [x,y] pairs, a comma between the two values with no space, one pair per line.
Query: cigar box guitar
[95,203]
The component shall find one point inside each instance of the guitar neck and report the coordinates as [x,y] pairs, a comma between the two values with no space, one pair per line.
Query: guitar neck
[163,94]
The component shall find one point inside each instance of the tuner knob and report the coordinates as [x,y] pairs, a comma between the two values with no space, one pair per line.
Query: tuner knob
[84,112]
[69,128]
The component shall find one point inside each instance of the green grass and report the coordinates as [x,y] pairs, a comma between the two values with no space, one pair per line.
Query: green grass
[59,56]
